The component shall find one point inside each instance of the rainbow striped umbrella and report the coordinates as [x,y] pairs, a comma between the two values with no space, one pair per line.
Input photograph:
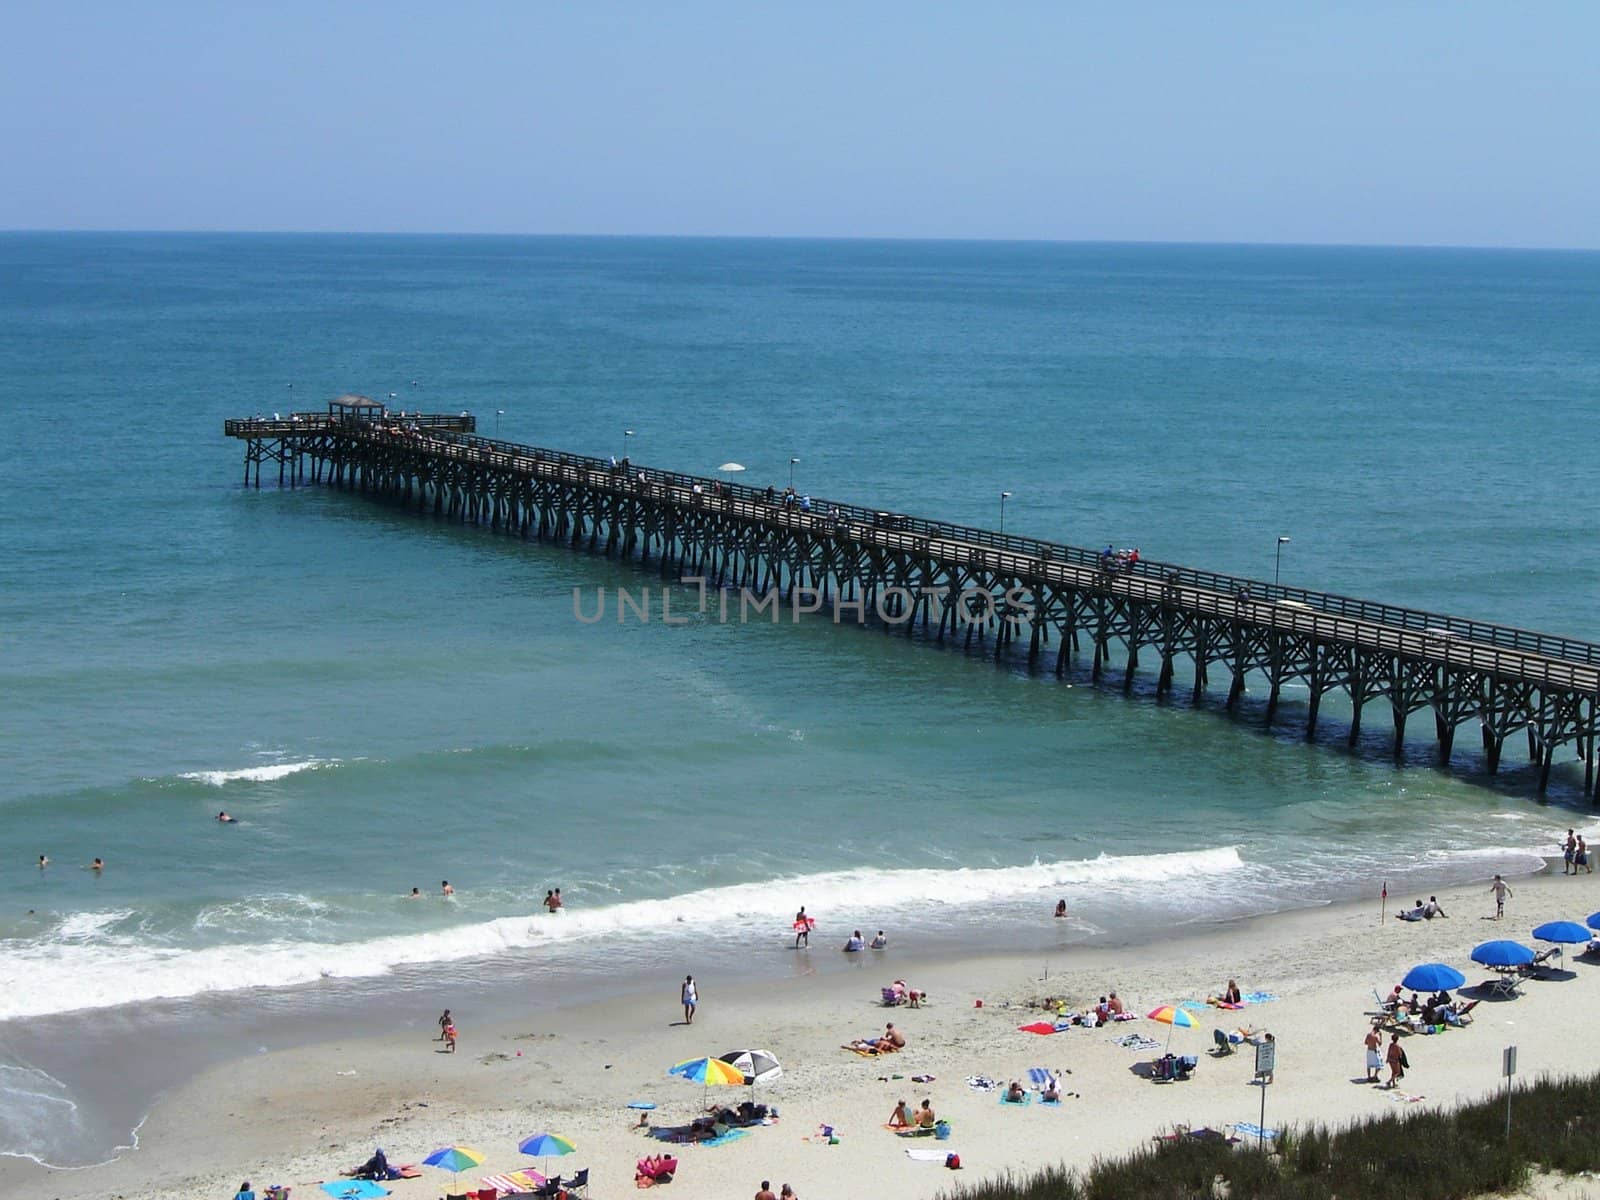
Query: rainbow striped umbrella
[1171,1015]
[708,1072]
[455,1159]
[543,1145]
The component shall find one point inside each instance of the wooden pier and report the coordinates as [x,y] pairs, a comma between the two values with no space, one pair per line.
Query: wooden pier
[899,571]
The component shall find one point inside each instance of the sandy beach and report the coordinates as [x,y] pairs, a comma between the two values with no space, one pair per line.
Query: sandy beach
[302,1116]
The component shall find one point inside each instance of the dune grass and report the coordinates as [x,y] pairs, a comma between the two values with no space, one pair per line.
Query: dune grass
[1417,1155]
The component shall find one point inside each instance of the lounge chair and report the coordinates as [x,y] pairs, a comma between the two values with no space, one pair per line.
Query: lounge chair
[1224,1047]
[1539,963]
[1502,985]
[893,997]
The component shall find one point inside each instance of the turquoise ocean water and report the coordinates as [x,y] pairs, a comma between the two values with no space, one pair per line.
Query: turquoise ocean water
[386,701]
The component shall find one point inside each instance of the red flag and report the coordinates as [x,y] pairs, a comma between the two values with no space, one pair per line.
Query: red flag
[1385,889]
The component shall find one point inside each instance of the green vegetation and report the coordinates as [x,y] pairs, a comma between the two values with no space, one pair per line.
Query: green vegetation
[1427,1155]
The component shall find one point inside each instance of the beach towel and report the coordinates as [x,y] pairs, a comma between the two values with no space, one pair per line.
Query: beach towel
[909,1133]
[1400,1097]
[354,1189]
[928,1156]
[722,1139]
[1245,1129]
[1136,1041]
[1258,997]
[514,1181]
[1027,1098]
[1041,1027]
[410,1171]
[982,1083]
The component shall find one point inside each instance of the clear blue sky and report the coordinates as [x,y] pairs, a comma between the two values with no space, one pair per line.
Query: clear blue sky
[1466,123]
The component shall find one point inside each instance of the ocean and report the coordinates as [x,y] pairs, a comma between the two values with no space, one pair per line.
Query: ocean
[385,702]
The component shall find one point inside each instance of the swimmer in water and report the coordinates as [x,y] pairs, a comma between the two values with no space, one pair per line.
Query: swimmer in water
[445,889]
[226,819]
[44,861]
[97,865]
[416,894]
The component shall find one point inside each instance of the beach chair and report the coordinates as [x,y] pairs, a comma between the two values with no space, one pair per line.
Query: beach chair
[893,997]
[1223,1046]
[1540,962]
[1502,985]
[579,1182]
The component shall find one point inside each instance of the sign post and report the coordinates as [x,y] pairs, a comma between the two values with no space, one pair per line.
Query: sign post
[1266,1064]
[1508,1064]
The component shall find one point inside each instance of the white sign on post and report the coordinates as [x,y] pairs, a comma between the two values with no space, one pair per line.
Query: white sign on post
[1510,1061]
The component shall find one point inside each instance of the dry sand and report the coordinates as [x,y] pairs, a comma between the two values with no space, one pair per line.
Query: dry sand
[301,1116]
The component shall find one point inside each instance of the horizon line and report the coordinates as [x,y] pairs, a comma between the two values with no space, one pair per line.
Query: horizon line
[783,237]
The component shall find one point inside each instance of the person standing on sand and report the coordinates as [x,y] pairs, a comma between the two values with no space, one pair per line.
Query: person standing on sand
[1581,858]
[444,1023]
[1501,891]
[766,1191]
[1397,1061]
[691,999]
[450,1038]
[1374,1044]
[1569,852]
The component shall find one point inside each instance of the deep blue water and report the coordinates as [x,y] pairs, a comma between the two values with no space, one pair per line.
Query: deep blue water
[386,702]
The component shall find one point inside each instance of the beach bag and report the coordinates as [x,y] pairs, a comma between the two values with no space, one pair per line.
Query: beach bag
[953,1161]
[1405,1063]
[941,1131]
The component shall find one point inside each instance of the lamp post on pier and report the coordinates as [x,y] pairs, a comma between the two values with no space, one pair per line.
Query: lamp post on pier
[626,434]
[498,413]
[792,463]
[1277,565]
[1004,496]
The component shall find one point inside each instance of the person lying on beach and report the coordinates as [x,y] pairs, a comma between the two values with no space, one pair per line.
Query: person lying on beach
[900,1118]
[891,1041]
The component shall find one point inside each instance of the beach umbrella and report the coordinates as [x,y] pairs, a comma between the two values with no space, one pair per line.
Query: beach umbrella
[1502,954]
[455,1159]
[708,1072]
[543,1145]
[1568,932]
[1594,921]
[1433,977]
[731,467]
[1172,1016]
[758,1066]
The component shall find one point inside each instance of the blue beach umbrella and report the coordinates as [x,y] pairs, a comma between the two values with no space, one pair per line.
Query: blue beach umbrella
[1594,921]
[1568,932]
[1502,954]
[1433,977]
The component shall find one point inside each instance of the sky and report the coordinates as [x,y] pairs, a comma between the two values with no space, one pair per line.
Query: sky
[1391,122]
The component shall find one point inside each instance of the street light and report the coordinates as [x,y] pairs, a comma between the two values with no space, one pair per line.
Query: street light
[1277,565]
[498,413]
[792,462]
[626,434]
[1004,496]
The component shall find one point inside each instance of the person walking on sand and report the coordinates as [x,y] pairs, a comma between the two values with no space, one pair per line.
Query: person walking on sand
[765,1193]
[802,929]
[691,999]
[444,1023]
[1501,891]
[1581,859]
[1374,1044]
[1569,852]
[450,1038]
[786,1192]
[1397,1061]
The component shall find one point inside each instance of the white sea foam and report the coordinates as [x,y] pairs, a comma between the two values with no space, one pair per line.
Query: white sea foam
[264,774]
[75,969]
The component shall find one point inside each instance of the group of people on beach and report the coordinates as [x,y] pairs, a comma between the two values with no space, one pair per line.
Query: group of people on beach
[1422,912]
[1575,854]
[804,924]
[784,1193]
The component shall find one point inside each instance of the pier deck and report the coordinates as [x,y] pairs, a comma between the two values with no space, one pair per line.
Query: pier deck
[908,572]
